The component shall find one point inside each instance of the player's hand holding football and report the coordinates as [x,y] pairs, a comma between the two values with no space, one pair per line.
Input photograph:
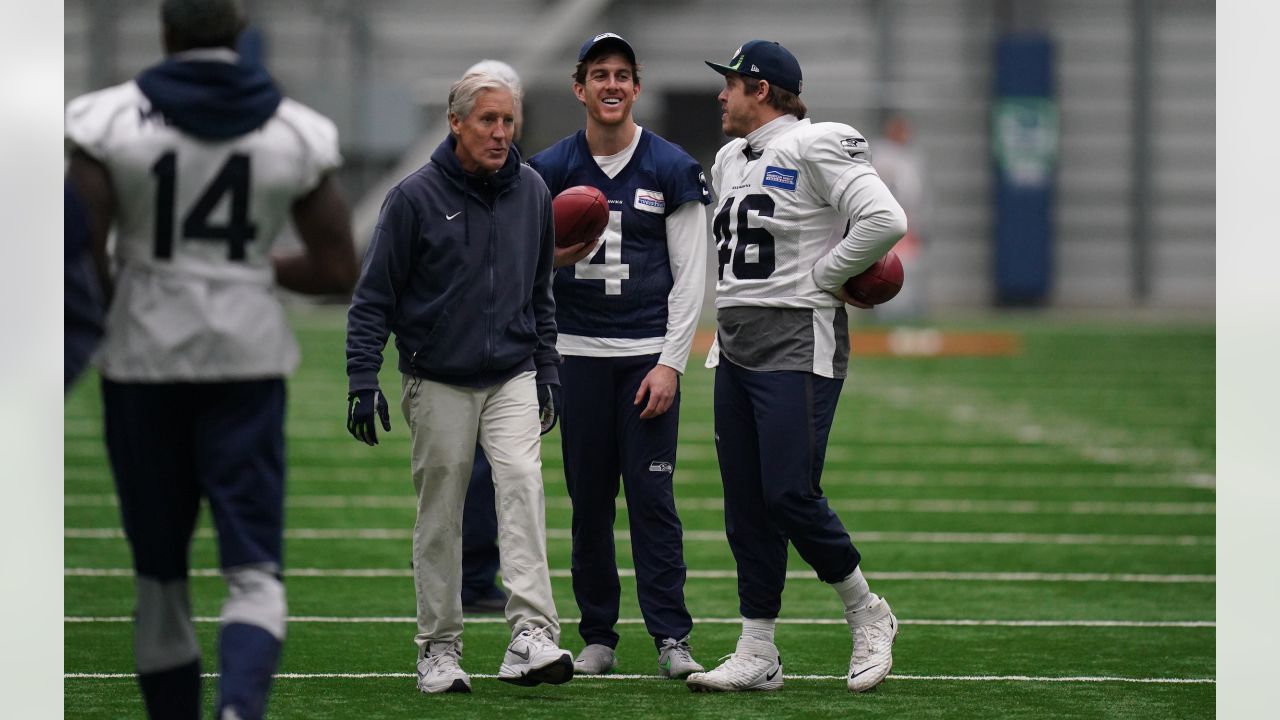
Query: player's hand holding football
[548,405]
[566,256]
[362,405]
[850,300]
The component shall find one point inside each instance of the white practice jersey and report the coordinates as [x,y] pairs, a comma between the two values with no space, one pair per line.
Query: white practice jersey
[800,219]
[195,223]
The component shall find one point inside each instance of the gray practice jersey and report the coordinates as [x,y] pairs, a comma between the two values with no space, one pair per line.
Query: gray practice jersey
[798,216]
[195,222]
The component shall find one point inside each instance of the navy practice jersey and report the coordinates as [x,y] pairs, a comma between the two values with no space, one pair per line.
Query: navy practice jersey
[621,289]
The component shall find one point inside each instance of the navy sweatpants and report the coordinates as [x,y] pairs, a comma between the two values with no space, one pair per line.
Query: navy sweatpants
[771,440]
[170,444]
[603,438]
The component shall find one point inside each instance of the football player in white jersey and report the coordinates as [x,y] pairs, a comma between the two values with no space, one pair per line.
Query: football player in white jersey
[800,211]
[197,163]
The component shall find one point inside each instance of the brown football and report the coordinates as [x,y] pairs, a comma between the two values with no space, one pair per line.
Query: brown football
[581,214]
[878,283]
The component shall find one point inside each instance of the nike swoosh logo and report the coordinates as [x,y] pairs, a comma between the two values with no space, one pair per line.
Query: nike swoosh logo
[873,667]
[450,217]
[522,655]
[769,677]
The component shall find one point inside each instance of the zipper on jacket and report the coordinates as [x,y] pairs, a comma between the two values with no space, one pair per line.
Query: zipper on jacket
[493,259]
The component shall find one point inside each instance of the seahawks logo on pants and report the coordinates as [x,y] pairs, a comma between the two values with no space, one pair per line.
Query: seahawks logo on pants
[659,466]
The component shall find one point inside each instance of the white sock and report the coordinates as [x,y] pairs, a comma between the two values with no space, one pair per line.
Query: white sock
[759,629]
[854,592]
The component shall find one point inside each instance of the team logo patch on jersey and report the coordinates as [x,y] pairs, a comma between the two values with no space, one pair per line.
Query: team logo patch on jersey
[854,146]
[780,178]
[650,201]
[660,466]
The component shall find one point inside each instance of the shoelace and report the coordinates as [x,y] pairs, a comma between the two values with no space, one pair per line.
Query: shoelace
[737,664]
[873,636]
[678,647]
[536,636]
[450,655]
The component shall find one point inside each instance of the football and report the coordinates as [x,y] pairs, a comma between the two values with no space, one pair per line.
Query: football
[878,283]
[581,214]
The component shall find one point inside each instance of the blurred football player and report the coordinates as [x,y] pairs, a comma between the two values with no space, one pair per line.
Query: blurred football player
[626,315]
[82,296]
[801,210]
[198,162]
[459,268]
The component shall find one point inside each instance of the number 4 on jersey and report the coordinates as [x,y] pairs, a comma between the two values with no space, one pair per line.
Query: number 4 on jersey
[233,178]
[612,270]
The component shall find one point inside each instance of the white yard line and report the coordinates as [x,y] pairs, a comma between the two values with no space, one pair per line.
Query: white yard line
[919,505]
[498,620]
[593,678]
[689,476]
[622,536]
[726,575]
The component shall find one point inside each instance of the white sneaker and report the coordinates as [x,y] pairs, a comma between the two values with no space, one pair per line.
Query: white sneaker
[675,659]
[874,630]
[533,658]
[754,665]
[438,669]
[595,660]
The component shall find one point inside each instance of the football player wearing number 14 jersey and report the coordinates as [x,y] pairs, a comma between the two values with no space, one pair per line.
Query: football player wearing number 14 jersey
[801,210]
[626,315]
[198,163]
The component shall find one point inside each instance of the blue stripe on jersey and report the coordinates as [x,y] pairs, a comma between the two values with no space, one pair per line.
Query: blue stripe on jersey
[660,178]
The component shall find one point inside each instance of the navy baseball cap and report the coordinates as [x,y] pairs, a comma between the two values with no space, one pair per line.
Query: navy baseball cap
[764,60]
[607,38]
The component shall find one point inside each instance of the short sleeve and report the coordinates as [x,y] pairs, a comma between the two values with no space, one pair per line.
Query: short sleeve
[686,182]
[90,118]
[319,141]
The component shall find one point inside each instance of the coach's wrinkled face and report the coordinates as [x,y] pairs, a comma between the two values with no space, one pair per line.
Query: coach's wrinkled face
[484,136]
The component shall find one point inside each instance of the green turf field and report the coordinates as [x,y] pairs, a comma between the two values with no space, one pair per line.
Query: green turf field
[1043,525]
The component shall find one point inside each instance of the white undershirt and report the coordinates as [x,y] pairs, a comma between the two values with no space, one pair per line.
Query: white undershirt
[687,250]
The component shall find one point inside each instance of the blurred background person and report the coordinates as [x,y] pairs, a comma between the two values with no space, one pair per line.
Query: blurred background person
[901,165]
[82,307]
[196,345]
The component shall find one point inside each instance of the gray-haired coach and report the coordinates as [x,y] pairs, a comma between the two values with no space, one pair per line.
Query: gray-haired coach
[460,270]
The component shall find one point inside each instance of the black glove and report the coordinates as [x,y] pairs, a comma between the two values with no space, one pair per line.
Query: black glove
[548,406]
[361,406]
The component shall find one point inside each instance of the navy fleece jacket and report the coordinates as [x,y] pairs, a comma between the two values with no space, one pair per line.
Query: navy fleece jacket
[459,269]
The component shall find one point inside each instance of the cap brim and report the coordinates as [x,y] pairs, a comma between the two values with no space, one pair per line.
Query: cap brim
[722,69]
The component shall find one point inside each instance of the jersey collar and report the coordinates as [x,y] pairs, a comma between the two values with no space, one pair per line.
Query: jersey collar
[759,139]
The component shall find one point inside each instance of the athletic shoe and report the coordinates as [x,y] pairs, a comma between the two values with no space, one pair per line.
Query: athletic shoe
[595,660]
[754,665]
[533,658]
[438,669]
[874,630]
[675,659]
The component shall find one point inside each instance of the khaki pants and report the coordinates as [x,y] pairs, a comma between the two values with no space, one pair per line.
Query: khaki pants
[445,422]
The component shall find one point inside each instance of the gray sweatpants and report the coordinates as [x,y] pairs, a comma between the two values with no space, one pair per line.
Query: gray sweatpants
[445,422]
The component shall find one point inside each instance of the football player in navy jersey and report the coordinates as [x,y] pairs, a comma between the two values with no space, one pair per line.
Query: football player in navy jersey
[626,315]
[198,163]
[801,211]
